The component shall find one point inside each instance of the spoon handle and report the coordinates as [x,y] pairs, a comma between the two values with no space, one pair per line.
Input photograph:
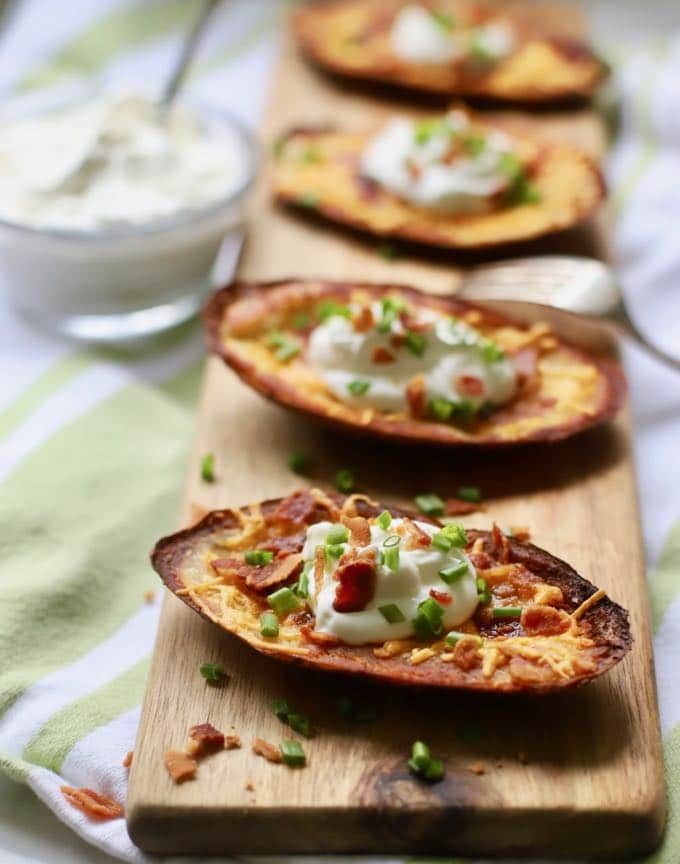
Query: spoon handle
[186,54]
[626,323]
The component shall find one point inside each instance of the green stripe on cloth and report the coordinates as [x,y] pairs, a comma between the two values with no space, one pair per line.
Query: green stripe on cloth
[85,508]
[122,29]
[51,745]
[41,389]
[669,850]
[665,581]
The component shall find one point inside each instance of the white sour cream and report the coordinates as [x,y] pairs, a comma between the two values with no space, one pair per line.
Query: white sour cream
[415,167]
[113,161]
[418,37]
[453,351]
[406,587]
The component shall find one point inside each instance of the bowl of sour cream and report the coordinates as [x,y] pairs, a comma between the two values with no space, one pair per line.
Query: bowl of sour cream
[112,212]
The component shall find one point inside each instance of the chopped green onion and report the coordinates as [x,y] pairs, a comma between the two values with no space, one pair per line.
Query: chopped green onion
[329,308]
[281,708]
[269,624]
[390,558]
[390,310]
[420,754]
[416,343]
[523,191]
[423,764]
[443,19]
[510,165]
[454,573]
[428,621]
[309,199]
[283,601]
[298,462]
[213,672]
[430,505]
[483,590]
[286,346]
[384,520]
[388,251]
[491,352]
[455,636]
[469,493]
[334,550]
[506,611]
[441,541]
[435,770]
[475,144]
[301,320]
[359,387]
[208,468]
[258,557]
[426,129]
[392,540]
[392,613]
[344,480]
[455,532]
[337,534]
[351,710]
[311,154]
[292,753]
[441,408]
[302,587]
[300,723]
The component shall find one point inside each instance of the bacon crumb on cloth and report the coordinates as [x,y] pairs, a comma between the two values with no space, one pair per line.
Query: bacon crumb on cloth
[92,803]
[269,751]
[180,765]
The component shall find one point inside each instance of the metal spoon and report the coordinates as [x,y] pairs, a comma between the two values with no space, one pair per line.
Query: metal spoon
[186,55]
[582,285]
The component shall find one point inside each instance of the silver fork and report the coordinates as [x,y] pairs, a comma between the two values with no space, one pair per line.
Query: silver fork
[582,285]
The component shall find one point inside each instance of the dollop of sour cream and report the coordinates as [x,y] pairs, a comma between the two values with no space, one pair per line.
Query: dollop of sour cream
[439,164]
[112,161]
[452,355]
[420,35]
[406,587]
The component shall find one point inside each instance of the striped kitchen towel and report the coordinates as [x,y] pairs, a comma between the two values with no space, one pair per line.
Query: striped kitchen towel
[93,443]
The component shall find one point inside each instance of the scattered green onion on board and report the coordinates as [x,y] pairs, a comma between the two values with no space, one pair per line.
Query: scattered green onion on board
[281,709]
[208,468]
[293,754]
[213,672]
[430,505]
[470,494]
[423,764]
[298,462]
[344,481]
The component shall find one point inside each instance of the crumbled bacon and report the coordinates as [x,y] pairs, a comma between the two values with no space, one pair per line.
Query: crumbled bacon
[382,355]
[180,766]
[259,578]
[501,545]
[466,654]
[92,803]
[302,508]
[363,320]
[204,738]
[282,546]
[359,530]
[469,385]
[457,507]
[416,538]
[397,340]
[441,596]
[476,768]
[415,396]
[413,169]
[543,621]
[356,586]
[270,751]
[525,362]
[232,742]
[480,560]
[227,568]
[128,759]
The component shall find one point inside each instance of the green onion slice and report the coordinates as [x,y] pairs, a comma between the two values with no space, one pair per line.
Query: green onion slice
[208,468]
[430,505]
[506,611]
[283,601]
[213,672]
[454,572]
[392,613]
[392,540]
[344,480]
[300,723]
[298,462]
[416,343]
[281,708]
[384,520]
[337,534]
[469,493]
[455,636]
[390,558]
[259,557]
[292,753]
[269,625]
[359,387]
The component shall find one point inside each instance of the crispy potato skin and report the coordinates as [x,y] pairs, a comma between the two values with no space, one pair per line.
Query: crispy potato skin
[570,184]
[350,38]
[260,301]
[605,622]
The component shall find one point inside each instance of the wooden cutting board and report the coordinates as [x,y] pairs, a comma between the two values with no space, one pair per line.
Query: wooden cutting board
[568,775]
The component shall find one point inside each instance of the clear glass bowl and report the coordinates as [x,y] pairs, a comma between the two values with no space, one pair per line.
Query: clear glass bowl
[128,282]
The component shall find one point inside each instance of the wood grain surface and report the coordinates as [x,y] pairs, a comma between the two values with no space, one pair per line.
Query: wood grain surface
[565,775]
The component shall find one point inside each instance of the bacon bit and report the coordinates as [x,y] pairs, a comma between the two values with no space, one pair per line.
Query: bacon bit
[469,385]
[363,320]
[91,803]
[413,169]
[391,648]
[180,766]
[128,759]
[466,654]
[359,529]
[397,340]
[325,640]
[473,317]
[480,560]
[356,586]
[232,742]
[441,597]
[276,573]
[382,355]
[249,786]
[525,362]
[204,739]
[410,322]
[544,621]
[415,396]
[520,533]
[269,751]
[416,538]
[456,507]
[477,768]
[227,568]
[302,508]
[501,544]
[149,596]
[282,546]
